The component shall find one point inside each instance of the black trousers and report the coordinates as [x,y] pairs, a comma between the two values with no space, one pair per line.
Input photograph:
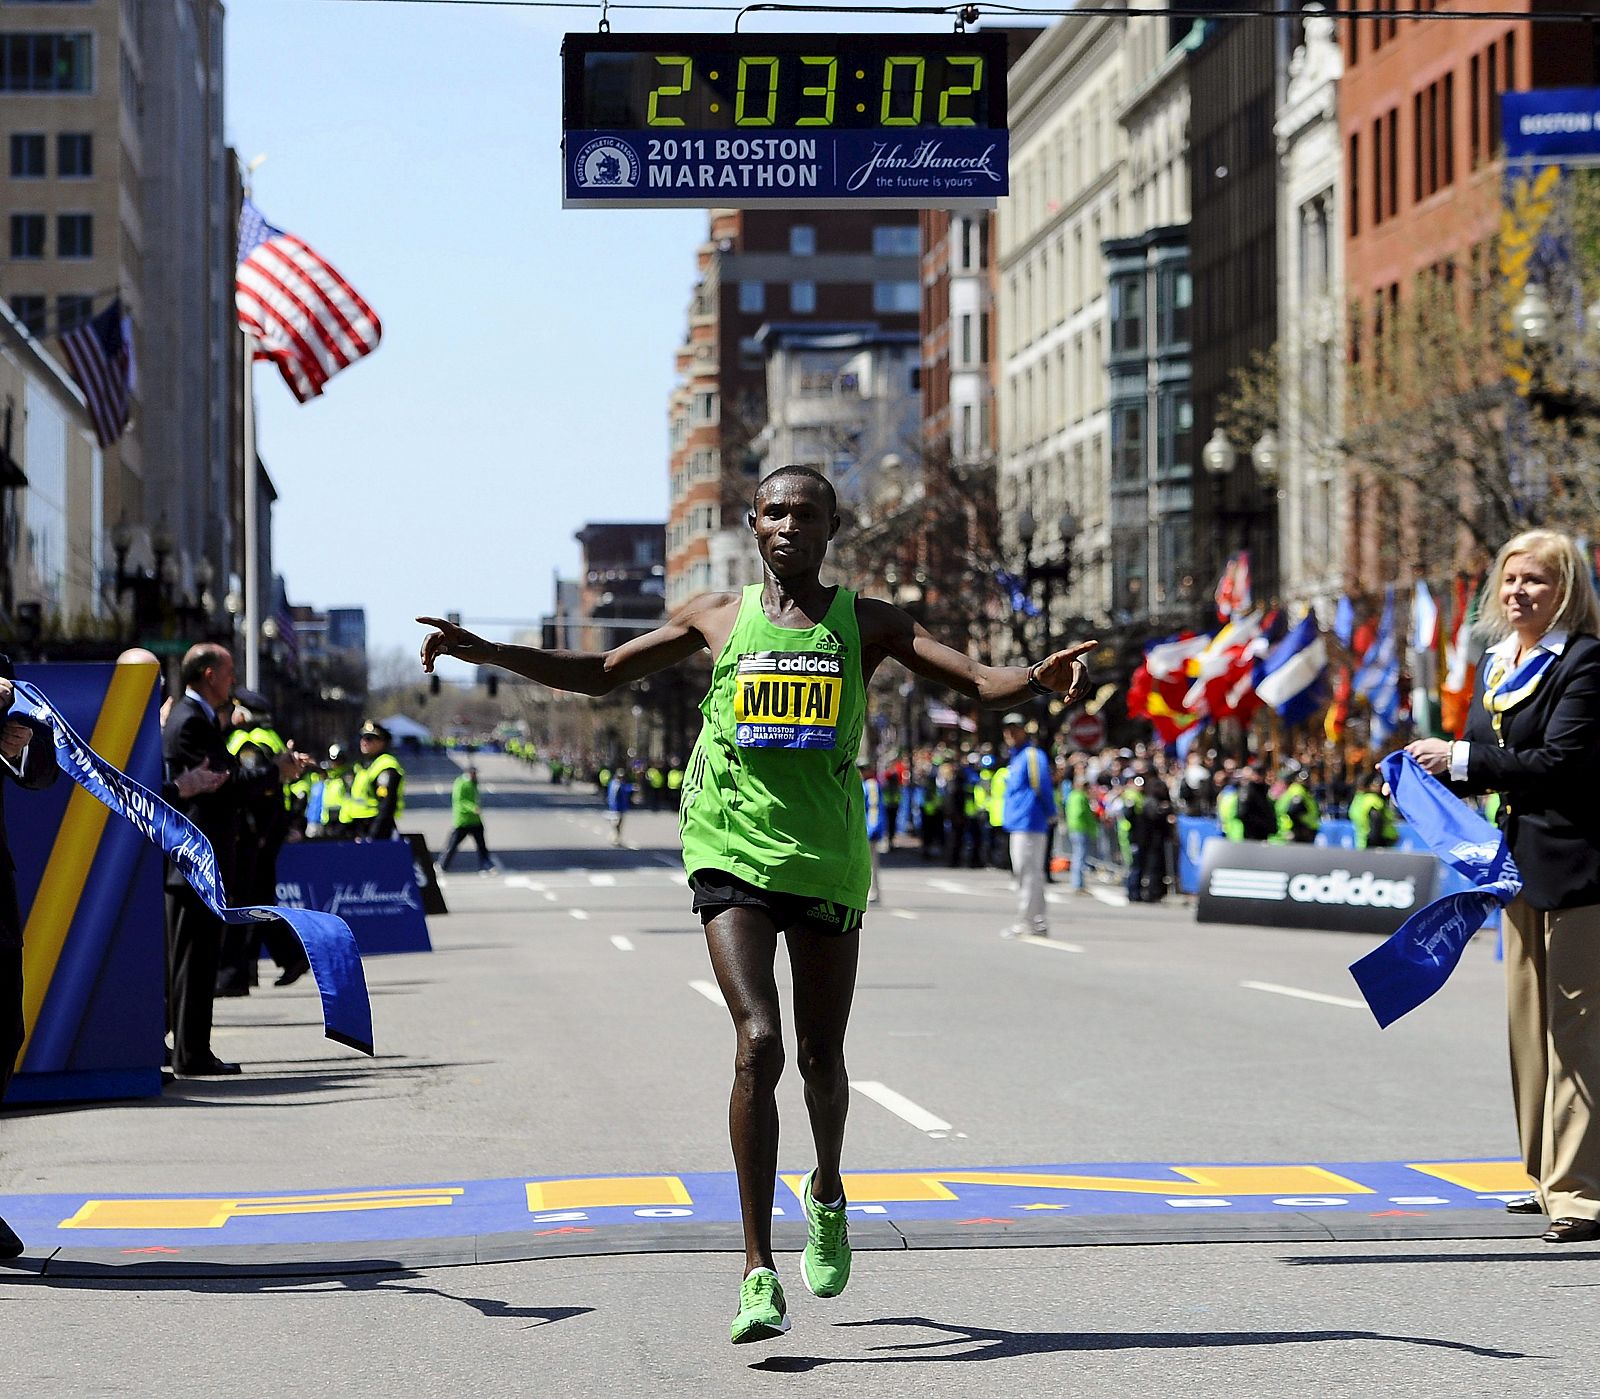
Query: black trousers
[459,834]
[10,1014]
[194,946]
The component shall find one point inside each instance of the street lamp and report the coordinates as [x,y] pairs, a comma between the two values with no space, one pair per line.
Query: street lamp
[1218,455]
[1533,315]
[1051,571]
[1264,457]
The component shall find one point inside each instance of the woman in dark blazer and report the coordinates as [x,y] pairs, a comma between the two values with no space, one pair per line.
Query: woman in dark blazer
[1534,736]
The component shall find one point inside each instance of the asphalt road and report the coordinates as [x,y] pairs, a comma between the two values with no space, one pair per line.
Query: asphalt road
[561,1028]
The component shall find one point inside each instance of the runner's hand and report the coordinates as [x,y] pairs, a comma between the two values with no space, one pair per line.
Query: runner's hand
[1064,671]
[451,640]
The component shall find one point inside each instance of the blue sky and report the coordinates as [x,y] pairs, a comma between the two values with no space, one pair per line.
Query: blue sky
[527,352]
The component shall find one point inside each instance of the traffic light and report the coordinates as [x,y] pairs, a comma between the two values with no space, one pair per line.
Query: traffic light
[433,684]
[454,618]
[494,686]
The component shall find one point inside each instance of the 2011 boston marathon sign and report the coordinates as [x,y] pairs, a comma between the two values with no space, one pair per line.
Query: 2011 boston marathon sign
[784,121]
[330,946]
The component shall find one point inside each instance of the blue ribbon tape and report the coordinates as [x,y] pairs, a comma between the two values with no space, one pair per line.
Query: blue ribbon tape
[329,944]
[1400,974]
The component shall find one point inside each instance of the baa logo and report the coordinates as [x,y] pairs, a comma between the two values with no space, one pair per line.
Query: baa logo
[607,164]
[745,734]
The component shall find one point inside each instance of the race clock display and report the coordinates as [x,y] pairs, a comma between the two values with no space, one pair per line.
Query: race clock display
[871,120]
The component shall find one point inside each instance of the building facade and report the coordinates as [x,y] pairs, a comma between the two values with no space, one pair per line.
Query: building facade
[1419,118]
[1069,182]
[761,266]
[1311,344]
[622,581]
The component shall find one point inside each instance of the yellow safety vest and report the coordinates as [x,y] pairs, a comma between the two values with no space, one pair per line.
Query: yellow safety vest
[362,802]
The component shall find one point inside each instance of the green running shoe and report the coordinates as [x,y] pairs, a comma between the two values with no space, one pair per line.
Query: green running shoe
[825,1264]
[762,1313]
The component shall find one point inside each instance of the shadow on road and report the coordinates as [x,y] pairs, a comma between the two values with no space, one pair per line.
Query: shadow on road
[372,1275]
[1522,1256]
[990,1344]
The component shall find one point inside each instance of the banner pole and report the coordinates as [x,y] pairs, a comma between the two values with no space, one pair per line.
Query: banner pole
[252,553]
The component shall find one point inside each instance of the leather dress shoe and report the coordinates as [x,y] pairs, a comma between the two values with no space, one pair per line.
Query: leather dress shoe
[207,1068]
[293,973]
[1524,1204]
[1572,1231]
[10,1245]
[232,986]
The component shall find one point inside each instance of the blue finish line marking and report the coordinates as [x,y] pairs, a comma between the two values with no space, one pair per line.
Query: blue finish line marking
[584,1204]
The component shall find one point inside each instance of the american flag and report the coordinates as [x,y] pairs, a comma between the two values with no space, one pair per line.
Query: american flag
[304,315]
[288,633]
[100,354]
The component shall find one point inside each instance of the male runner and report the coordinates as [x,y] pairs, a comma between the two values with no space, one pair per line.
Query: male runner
[774,834]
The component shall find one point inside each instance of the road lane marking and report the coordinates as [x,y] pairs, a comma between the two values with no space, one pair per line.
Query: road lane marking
[902,1107]
[579,914]
[710,991]
[521,881]
[949,886]
[1110,897]
[621,943]
[902,913]
[1051,942]
[1300,995]
[603,881]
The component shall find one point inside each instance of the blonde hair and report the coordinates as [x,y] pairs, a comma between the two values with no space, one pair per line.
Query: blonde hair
[1577,608]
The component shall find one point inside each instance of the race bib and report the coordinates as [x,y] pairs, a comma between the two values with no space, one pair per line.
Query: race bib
[787,699]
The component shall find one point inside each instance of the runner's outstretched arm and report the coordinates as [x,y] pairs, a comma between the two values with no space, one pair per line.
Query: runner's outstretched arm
[890,631]
[585,673]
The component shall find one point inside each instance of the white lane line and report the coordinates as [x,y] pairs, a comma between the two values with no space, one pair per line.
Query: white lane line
[902,1107]
[905,913]
[551,895]
[709,990]
[579,914]
[1111,897]
[602,881]
[1051,942]
[621,943]
[521,881]
[1300,995]
[949,886]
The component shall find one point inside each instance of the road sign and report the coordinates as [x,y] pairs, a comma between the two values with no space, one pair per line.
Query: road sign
[1087,731]
[784,120]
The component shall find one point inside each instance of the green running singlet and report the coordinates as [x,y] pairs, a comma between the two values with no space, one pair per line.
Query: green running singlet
[772,793]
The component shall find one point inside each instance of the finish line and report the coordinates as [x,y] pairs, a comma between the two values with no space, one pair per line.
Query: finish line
[529,1217]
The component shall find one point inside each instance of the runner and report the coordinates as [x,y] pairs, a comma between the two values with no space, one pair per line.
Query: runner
[774,833]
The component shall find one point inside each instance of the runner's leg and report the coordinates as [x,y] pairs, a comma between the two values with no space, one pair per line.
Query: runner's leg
[743,943]
[824,966]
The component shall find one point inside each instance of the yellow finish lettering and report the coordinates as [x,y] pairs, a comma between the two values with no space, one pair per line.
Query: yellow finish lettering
[213,1214]
[599,1193]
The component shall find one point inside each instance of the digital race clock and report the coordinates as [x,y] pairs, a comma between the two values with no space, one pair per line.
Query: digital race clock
[799,120]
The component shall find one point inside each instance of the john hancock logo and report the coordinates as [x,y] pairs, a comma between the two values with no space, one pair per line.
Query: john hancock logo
[606,164]
[887,161]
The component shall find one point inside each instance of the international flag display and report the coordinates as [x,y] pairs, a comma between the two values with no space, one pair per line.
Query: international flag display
[1378,679]
[1234,597]
[1455,690]
[100,355]
[1161,682]
[306,318]
[1224,684]
[1293,678]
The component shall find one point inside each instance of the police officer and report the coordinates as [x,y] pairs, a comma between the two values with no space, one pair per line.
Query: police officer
[264,826]
[326,813]
[1372,816]
[1298,817]
[377,797]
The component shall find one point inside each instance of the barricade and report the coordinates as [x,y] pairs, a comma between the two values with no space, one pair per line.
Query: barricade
[89,887]
[372,885]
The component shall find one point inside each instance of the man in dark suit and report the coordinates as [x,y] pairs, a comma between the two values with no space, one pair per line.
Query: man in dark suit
[28,758]
[192,738]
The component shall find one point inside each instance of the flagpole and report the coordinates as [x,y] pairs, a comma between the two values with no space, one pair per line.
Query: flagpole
[252,555]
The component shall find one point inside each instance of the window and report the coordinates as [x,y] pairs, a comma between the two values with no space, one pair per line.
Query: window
[1353,174]
[966,264]
[752,297]
[27,156]
[27,235]
[1176,293]
[74,235]
[965,356]
[889,297]
[74,155]
[1177,432]
[803,297]
[802,240]
[30,310]
[897,240]
[72,312]
[1127,442]
[45,63]
[705,407]
[1127,314]
[966,446]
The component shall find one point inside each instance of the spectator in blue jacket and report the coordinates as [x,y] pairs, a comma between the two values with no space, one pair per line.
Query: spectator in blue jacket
[1029,809]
